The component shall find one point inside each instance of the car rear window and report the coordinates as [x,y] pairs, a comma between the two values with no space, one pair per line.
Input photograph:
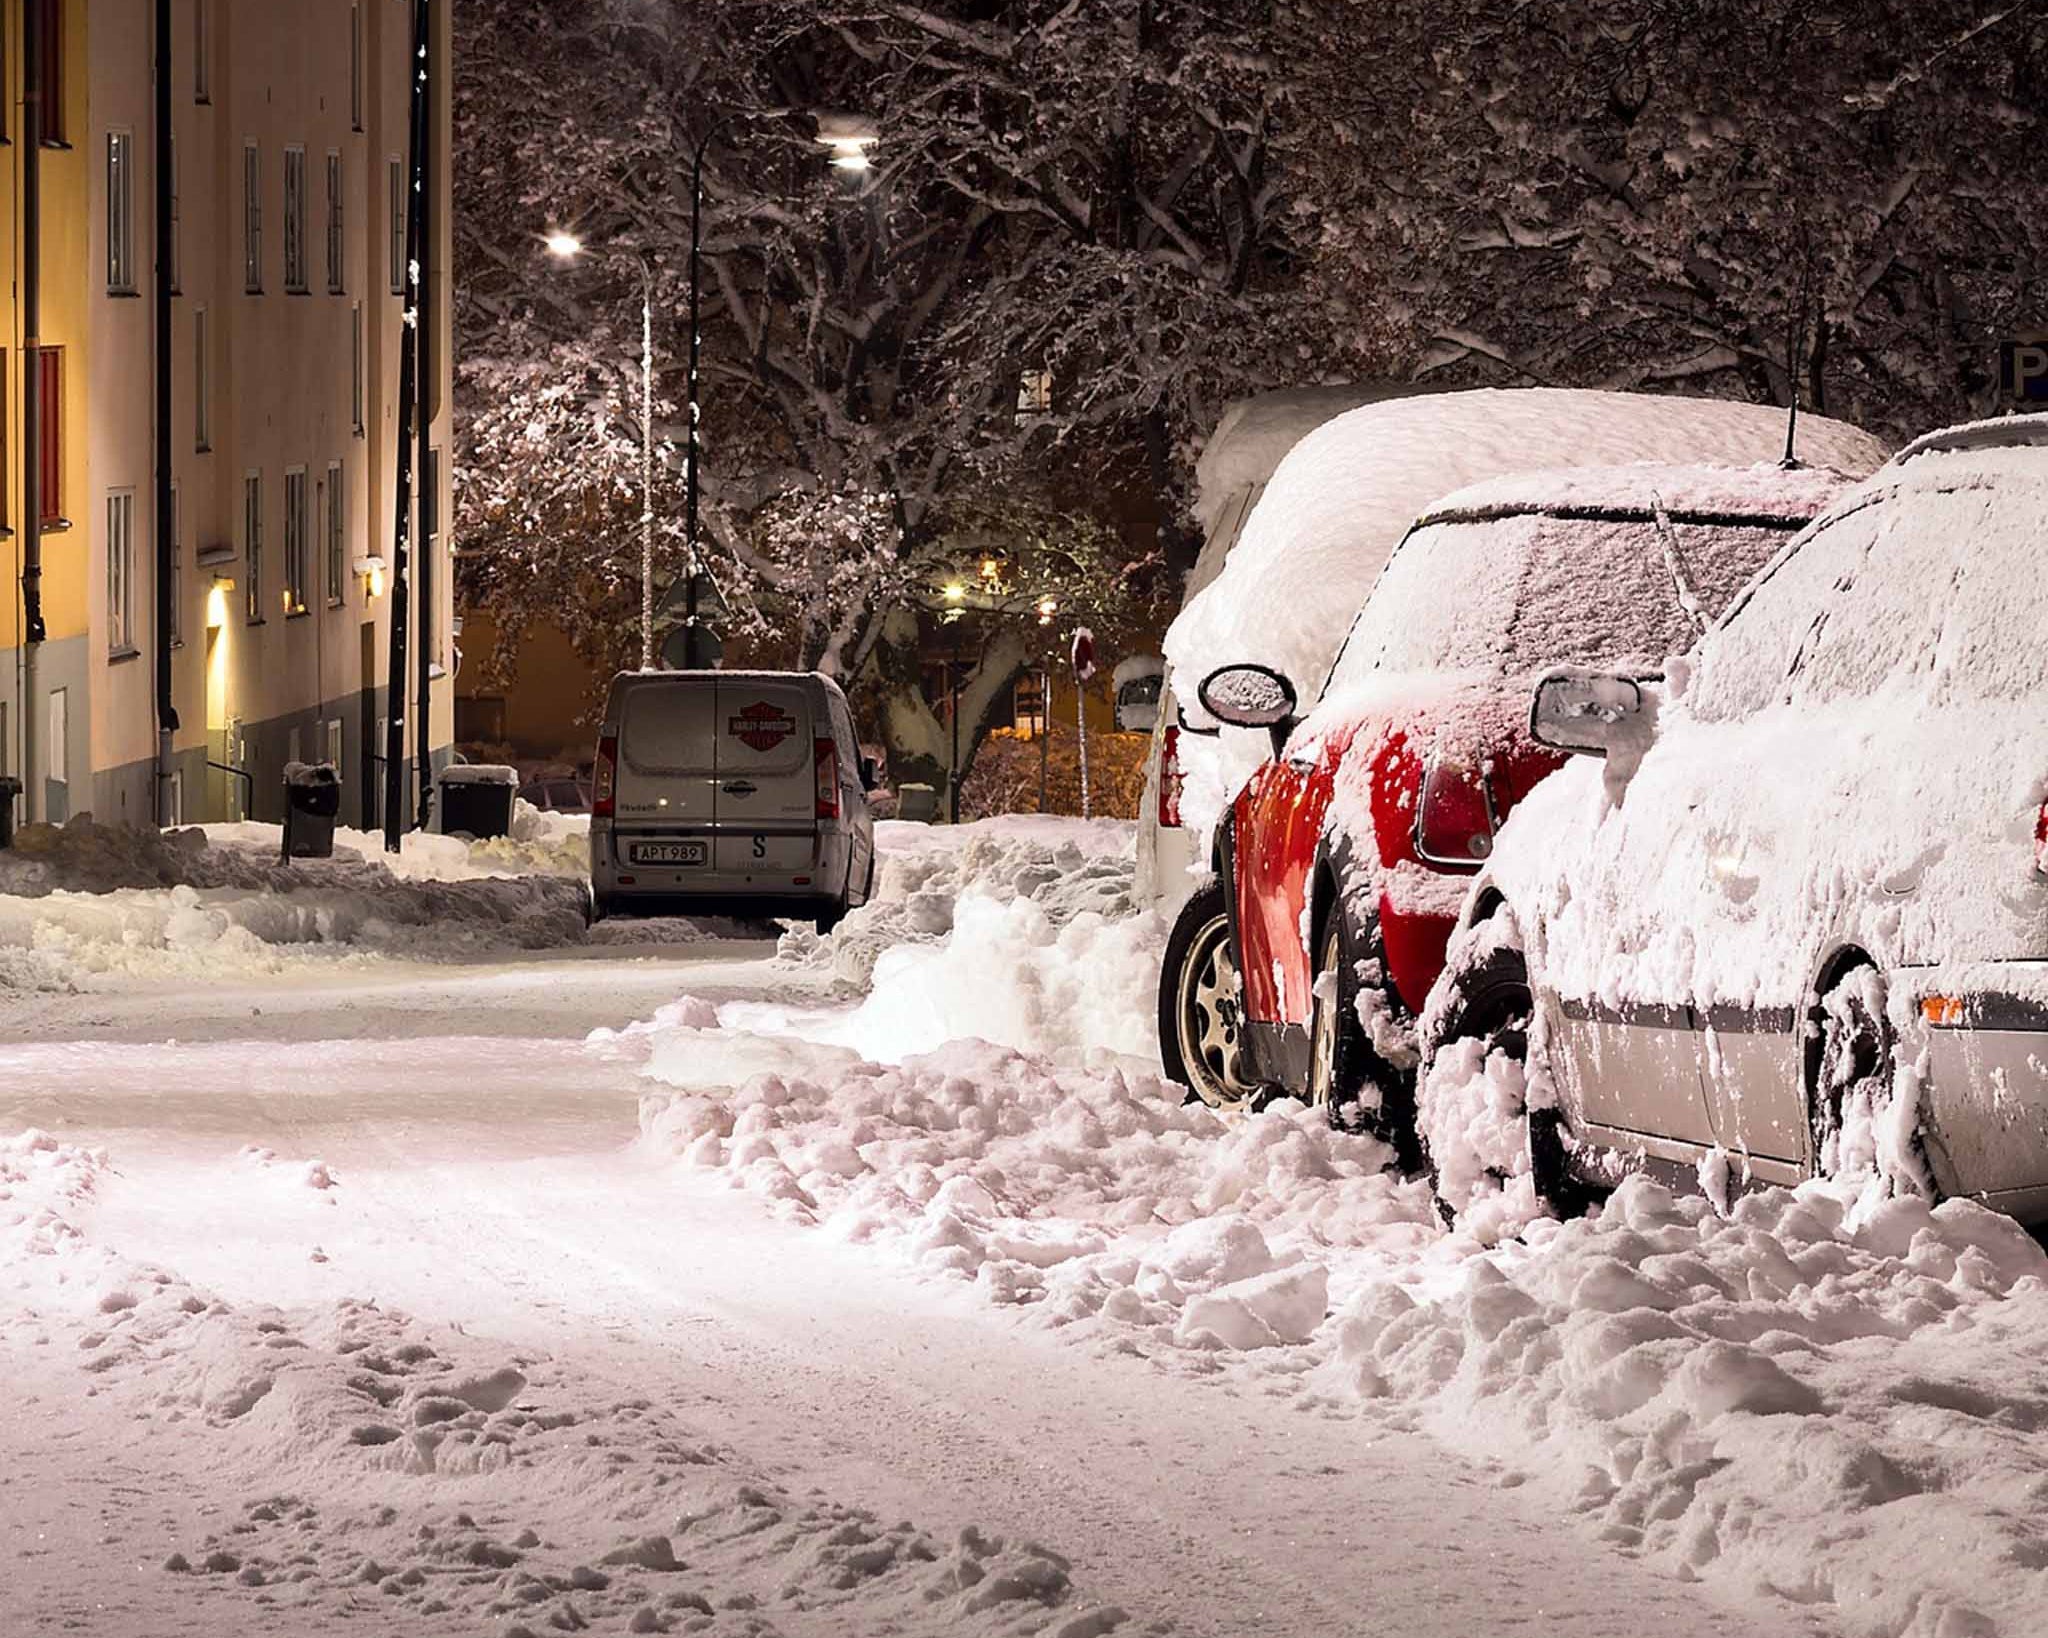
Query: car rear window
[1505,595]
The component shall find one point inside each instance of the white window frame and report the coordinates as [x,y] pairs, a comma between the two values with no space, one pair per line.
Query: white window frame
[120,212]
[252,219]
[336,527]
[252,544]
[295,219]
[120,572]
[202,380]
[298,518]
[337,225]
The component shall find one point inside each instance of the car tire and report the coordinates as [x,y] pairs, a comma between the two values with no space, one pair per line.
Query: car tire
[827,920]
[1852,1084]
[1201,1006]
[1479,1135]
[1359,1088]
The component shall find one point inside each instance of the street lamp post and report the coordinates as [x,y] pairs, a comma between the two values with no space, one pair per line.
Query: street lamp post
[567,246]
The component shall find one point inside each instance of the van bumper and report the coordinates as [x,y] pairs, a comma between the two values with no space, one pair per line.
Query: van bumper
[645,890]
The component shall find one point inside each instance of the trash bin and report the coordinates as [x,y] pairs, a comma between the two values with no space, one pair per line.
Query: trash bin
[475,800]
[10,788]
[312,799]
[917,803]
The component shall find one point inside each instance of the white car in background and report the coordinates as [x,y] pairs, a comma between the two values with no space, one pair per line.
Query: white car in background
[1795,923]
[1305,496]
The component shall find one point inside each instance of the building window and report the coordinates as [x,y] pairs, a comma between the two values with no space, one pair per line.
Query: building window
[334,741]
[176,558]
[171,257]
[295,220]
[202,50]
[395,175]
[337,243]
[356,367]
[121,572]
[252,219]
[50,400]
[337,536]
[355,65]
[252,544]
[202,382]
[52,55]
[296,544]
[1034,393]
[121,213]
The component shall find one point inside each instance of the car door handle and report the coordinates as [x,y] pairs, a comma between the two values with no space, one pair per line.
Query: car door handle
[739,787]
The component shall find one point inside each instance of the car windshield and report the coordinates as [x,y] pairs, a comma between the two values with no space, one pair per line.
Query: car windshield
[1503,595]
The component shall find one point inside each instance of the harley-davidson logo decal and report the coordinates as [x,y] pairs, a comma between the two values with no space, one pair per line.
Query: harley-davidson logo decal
[761,726]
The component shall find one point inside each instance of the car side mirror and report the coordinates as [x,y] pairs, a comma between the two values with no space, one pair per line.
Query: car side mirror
[1251,696]
[867,773]
[1590,713]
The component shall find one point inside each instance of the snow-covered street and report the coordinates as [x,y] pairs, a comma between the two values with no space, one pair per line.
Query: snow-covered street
[620,1284]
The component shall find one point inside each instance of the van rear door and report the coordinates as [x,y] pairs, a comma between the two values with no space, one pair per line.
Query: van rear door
[668,757]
[767,774]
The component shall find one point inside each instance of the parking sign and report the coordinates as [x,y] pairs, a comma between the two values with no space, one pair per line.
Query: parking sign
[2023,370]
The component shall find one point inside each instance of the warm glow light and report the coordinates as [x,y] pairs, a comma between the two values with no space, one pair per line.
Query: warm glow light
[217,605]
[852,159]
[990,568]
[564,245]
[377,582]
[955,592]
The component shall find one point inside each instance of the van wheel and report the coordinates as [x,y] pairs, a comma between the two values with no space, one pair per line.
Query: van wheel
[595,909]
[1201,1006]
[828,920]
[1361,1090]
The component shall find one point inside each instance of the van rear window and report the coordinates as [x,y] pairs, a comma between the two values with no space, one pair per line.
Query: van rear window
[669,727]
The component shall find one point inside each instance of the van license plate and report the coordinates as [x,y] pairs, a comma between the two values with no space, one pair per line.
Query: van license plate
[667,853]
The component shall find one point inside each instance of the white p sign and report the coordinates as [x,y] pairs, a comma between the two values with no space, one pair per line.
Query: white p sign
[2023,370]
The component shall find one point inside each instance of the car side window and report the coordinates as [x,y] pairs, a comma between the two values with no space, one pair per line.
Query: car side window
[1749,660]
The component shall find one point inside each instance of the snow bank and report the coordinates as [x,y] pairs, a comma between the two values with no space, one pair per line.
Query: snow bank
[1347,492]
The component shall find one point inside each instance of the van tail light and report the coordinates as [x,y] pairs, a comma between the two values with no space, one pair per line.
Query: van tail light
[604,778]
[828,779]
[1169,780]
[1454,821]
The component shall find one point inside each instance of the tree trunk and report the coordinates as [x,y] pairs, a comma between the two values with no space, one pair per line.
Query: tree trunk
[916,730]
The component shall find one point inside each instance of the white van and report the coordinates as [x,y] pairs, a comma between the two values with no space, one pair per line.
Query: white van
[731,792]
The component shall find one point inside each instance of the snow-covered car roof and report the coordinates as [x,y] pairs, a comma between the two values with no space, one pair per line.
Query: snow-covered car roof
[1347,492]
[1254,435]
[2005,432]
[1703,491]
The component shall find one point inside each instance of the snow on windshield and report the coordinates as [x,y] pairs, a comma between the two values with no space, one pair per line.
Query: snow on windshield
[1347,493]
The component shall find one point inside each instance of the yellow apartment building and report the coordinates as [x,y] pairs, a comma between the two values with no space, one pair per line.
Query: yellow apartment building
[286,264]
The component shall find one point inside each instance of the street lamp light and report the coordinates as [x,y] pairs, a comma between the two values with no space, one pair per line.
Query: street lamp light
[565,246]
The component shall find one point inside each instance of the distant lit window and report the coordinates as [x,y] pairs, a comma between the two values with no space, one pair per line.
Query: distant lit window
[121,213]
[1034,393]
[297,545]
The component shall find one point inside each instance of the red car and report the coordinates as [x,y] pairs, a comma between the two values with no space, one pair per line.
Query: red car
[1299,967]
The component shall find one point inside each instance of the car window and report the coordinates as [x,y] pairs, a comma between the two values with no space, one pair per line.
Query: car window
[1442,603]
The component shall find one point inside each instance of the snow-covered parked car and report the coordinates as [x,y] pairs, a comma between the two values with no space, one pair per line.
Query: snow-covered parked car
[1340,866]
[730,792]
[1795,923]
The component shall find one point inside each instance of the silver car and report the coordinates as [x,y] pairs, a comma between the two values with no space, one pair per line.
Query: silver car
[1794,919]
[730,792]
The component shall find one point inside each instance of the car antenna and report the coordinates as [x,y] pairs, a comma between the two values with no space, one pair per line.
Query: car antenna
[1795,365]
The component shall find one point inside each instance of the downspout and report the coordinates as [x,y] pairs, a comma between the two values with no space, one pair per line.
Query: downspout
[408,395]
[427,384]
[35,632]
[166,544]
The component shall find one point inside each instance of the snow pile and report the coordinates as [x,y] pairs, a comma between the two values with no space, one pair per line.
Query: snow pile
[923,871]
[43,1182]
[1348,491]
[1826,1411]
[1079,1192]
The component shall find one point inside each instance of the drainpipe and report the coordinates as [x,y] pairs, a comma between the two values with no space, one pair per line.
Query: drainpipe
[427,384]
[408,397]
[166,545]
[35,631]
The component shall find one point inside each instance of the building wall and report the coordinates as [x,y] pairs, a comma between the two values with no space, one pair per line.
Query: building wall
[255,683]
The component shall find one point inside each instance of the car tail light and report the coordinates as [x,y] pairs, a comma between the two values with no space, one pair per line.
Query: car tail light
[604,777]
[1169,780]
[1454,819]
[828,779]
